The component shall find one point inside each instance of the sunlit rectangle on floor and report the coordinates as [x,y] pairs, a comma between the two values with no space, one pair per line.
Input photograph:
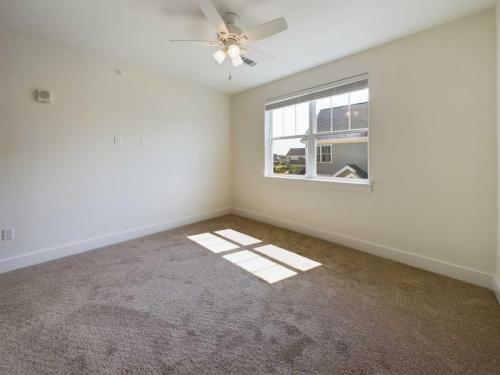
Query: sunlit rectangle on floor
[256,264]
[238,237]
[287,257]
[213,243]
[240,256]
[259,266]
[274,274]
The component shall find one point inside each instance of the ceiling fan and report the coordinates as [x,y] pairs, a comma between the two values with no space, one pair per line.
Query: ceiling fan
[232,41]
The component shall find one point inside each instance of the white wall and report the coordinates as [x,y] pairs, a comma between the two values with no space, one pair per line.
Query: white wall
[62,179]
[67,188]
[432,154]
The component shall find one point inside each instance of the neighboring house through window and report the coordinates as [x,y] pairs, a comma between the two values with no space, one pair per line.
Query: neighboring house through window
[320,133]
[351,171]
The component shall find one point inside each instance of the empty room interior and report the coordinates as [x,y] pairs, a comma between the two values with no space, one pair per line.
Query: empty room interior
[249,187]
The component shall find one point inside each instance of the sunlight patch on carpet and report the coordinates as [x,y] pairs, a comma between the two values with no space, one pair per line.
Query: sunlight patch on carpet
[213,243]
[259,266]
[288,257]
[238,237]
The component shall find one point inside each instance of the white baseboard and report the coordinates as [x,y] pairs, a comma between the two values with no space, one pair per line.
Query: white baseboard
[45,255]
[434,265]
[496,287]
[437,266]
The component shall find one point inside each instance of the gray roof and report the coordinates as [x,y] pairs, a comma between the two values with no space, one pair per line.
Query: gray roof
[360,172]
[299,151]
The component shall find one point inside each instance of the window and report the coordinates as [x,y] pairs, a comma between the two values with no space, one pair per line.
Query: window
[324,154]
[320,133]
[290,126]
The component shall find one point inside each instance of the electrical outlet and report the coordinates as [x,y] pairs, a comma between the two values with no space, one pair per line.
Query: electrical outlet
[8,234]
[117,140]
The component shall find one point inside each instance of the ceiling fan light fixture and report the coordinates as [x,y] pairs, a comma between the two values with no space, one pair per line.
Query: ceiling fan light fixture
[230,36]
[219,56]
[233,51]
[237,61]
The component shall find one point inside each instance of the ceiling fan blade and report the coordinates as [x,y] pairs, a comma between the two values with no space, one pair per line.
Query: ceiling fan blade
[266,29]
[196,43]
[213,15]
[256,55]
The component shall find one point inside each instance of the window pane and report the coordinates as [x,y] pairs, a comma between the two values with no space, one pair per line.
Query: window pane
[359,116]
[323,115]
[302,118]
[360,96]
[289,121]
[340,100]
[359,109]
[289,156]
[340,112]
[277,122]
[349,155]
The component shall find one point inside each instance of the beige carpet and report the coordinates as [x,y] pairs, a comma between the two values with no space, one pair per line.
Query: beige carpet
[165,305]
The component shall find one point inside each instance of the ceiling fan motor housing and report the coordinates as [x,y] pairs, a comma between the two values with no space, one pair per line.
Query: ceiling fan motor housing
[234,36]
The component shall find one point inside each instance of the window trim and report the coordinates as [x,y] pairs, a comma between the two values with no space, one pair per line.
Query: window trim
[327,182]
[310,154]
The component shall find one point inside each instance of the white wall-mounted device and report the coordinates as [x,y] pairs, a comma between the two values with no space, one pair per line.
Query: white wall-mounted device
[8,234]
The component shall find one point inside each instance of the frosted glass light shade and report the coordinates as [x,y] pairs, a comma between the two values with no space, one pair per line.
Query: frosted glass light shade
[237,61]
[219,56]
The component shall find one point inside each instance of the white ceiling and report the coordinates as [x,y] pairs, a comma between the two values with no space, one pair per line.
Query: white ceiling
[138,31]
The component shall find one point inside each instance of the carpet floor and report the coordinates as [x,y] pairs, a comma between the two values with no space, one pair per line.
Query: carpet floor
[163,304]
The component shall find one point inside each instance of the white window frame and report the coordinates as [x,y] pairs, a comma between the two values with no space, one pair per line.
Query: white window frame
[310,154]
[320,147]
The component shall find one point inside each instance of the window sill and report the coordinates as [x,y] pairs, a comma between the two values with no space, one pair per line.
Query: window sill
[364,186]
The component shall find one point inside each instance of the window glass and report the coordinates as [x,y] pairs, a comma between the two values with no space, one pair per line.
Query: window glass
[302,118]
[289,121]
[289,156]
[349,156]
[326,153]
[324,115]
[360,96]
[359,109]
[277,122]
[340,137]
[340,112]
